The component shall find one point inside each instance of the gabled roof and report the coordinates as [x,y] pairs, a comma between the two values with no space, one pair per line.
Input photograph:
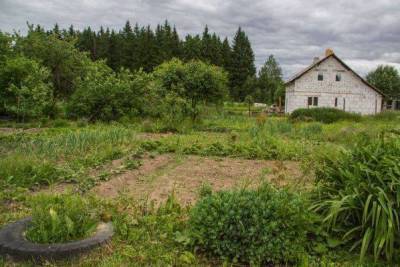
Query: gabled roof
[331,54]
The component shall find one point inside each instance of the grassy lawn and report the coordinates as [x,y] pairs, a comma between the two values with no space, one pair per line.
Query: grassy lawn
[148,181]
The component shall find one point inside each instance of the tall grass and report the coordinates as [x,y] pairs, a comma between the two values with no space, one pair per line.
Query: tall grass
[78,141]
[359,196]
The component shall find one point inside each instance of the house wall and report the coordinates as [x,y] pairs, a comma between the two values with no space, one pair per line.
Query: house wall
[353,95]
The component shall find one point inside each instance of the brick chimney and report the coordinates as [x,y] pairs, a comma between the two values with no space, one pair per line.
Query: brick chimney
[328,52]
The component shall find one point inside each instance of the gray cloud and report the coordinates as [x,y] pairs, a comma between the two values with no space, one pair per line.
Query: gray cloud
[362,34]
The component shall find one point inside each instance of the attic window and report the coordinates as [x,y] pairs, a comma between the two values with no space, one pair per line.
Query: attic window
[338,77]
[320,76]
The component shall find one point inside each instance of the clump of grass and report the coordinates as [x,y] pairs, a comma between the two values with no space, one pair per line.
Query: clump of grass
[324,115]
[26,171]
[388,115]
[358,194]
[61,218]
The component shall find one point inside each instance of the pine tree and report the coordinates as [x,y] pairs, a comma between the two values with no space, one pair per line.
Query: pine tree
[216,50]
[269,80]
[128,46]
[241,65]
[113,57]
[87,42]
[206,49]
[192,47]
[103,43]
[226,54]
[176,47]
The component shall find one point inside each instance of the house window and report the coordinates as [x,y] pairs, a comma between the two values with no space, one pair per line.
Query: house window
[320,76]
[336,102]
[312,101]
[338,77]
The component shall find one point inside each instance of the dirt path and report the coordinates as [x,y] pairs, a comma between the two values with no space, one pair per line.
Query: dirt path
[160,176]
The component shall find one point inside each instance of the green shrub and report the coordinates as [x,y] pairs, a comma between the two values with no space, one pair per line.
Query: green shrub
[325,115]
[61,218]
[251,226]
[105,96]
[358,194]
[25,88]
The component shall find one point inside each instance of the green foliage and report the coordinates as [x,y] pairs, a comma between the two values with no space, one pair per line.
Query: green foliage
[61,218]
[66,63]
[270,80]
[387,115]
[173,112]
[386,79]
[5,46]
[195,82]
[262,226]
[25,89]
[324,115]
[358,194]
[241,65]
[204,83]
[153,236]
[103,95]
[25,172]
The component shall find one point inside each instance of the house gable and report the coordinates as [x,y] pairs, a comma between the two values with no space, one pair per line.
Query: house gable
[330,64]
[329,82]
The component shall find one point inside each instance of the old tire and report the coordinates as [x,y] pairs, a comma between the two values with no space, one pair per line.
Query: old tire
[14,243]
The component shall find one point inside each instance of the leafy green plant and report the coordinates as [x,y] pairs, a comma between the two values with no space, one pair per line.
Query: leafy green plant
[61,218]
[251,226]
[358,194]
[324,115]
[25,89]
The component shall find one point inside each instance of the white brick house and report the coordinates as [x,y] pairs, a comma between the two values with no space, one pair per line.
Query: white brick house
[329,82]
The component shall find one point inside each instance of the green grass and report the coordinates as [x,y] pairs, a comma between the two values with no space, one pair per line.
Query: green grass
[67,151]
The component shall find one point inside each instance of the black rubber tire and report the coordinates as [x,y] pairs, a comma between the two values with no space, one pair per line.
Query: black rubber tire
[14,243]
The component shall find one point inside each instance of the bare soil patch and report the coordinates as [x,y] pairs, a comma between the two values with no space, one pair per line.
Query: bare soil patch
[131,180]
[157,178]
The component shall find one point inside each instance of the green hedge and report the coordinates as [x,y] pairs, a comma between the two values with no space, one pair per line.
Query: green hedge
[325,115]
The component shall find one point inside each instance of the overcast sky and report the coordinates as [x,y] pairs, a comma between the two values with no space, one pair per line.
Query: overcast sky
[363,33]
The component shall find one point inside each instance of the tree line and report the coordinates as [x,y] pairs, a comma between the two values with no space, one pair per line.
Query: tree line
[45,75]
[140,47]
